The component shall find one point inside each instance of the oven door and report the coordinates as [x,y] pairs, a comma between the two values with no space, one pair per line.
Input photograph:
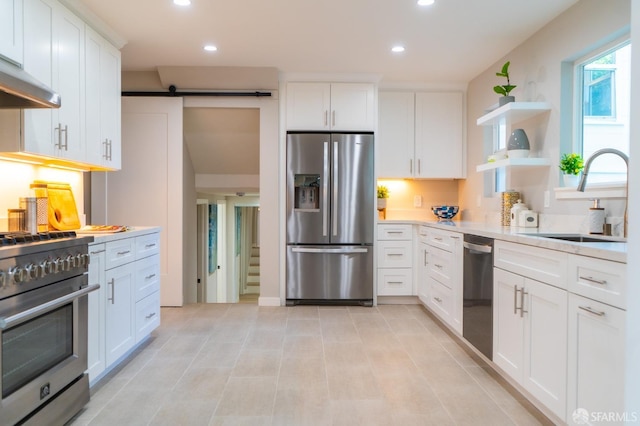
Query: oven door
[43,348]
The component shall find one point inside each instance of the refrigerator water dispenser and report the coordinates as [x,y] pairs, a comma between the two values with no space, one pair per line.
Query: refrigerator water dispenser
[307,192]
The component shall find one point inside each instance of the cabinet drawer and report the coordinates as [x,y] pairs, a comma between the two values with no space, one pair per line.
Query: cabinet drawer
[395,254]
[441,301]
[120,252]
[147,245]
[147,315]
[395,282]
[547,266]
[598,279]
[394,232]
[147,276]
[440,264]
[443,239]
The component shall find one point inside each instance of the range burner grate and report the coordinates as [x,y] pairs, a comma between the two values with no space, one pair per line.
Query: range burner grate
[13,238]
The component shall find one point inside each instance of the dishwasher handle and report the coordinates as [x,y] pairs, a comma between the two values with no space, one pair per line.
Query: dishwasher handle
[477,248]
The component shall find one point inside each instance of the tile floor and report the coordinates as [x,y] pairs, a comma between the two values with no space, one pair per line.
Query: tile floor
[305,365]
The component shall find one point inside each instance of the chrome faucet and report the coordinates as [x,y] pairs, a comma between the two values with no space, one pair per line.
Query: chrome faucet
[587,166]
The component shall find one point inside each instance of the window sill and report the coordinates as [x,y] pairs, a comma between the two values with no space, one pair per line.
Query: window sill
[602,191]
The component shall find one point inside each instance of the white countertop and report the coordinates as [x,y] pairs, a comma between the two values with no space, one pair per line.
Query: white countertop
[133,231]
[616,252]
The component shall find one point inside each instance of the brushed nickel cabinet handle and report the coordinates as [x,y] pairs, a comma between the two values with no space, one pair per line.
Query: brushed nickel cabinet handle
[593,280]
[592,311]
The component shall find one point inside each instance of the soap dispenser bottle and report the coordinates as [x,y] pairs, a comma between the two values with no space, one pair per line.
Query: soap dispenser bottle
[596,218]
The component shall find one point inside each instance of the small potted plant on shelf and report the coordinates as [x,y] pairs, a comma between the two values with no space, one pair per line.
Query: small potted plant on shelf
[571,165]
[383,194]
[505,89]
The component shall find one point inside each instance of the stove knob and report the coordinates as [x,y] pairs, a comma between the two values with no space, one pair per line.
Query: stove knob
[2,275]
[42,266]
[19,274]
[32,272]
[57,265]
[70,261]
[82,260]
[49,267]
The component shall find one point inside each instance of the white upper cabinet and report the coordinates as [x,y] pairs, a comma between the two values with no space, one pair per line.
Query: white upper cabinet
[54,54]
[439,129]
[11,30]
[331,106]
[62,52]
[102,66]
[420,135]
[396,132]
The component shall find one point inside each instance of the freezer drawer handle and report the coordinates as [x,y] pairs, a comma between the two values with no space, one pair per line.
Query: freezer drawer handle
[330,250]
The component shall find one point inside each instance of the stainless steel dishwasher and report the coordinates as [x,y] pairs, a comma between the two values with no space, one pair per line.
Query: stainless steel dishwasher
[477,313]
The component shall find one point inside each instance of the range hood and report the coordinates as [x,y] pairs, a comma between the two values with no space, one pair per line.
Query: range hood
[18,89]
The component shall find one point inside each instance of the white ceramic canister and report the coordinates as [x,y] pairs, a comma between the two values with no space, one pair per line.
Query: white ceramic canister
[528,219]
[515,213]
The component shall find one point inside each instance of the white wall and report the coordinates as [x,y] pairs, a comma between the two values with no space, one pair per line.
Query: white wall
[189,230]
[536,70]
[632,391]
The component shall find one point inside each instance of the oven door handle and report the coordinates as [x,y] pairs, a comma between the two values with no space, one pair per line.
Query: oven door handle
[9,322]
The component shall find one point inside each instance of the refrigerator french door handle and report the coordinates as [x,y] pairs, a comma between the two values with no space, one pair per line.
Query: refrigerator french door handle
[337,250]
[325,190]
[334,216]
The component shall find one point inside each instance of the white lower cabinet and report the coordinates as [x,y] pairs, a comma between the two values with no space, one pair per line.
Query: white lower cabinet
[444,276]
[596,358]
[120,332]
[395,260]
[421,264]
[96,321]
[530,335]
[126,308]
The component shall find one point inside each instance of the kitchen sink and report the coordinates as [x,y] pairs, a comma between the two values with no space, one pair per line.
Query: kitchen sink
[580,238]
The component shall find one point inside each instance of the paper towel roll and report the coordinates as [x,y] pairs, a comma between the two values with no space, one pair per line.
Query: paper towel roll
[596,220]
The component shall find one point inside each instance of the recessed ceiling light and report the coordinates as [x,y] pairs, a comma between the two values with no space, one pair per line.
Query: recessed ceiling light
[210,48]
[397,49]
[182,2]
[425,2]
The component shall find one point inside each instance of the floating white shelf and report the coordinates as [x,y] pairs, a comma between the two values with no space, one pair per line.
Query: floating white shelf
[514,162]
[514,112]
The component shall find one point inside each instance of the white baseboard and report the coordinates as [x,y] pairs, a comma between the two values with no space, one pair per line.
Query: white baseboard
[269,301]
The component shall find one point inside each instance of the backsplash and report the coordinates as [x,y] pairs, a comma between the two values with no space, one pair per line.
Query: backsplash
[15,179]
[402,194]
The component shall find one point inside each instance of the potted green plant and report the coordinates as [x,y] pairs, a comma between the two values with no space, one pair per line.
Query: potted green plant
[505,89]
[383,194]
[571,165]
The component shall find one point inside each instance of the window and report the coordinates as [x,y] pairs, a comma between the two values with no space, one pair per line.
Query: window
[604,118]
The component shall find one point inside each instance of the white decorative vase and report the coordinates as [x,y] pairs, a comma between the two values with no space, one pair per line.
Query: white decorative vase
[382,203]
[570,180]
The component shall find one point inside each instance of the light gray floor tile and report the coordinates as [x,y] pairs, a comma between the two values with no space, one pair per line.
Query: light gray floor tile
[304,365]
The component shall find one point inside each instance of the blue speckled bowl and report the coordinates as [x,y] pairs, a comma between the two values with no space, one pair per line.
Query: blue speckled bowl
[444,212]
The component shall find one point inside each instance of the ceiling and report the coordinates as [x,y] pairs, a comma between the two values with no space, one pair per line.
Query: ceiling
[451,41]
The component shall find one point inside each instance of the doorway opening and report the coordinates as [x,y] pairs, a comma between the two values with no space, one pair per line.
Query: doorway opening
[247,253]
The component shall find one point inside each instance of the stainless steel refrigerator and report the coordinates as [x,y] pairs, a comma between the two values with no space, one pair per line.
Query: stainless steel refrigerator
[330,218]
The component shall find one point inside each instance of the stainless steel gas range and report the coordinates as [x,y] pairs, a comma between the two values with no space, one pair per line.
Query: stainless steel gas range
[43,327]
